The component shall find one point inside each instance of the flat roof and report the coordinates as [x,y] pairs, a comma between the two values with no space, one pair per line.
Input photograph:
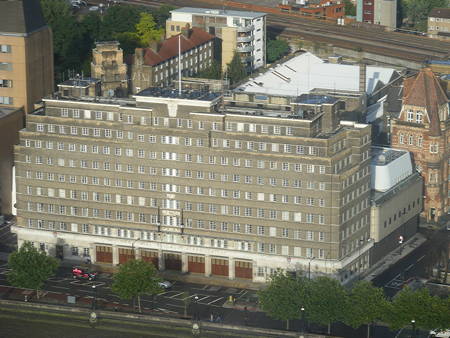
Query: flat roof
[305,72]
[315,99]
[218,12]
[84,82]
[172,93]
[384,156]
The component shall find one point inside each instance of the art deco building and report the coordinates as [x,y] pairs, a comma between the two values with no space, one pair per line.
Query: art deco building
[422,128]
[26,54]
[178,181]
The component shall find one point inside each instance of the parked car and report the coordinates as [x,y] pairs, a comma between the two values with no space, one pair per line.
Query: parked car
[166,285]
[81,273]
[440,333]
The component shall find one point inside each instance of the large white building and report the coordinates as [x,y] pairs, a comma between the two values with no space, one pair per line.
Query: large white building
[240,31]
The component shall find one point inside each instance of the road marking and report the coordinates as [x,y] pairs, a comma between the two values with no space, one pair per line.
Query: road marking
[190,297]
[176,295]
[166,311]
[61,287]
[243,294]
[203,298]
[90,291]
[409,267]
[421,258]
[215,300]
[164,293]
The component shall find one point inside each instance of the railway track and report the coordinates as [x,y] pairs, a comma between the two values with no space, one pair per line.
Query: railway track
[393,44]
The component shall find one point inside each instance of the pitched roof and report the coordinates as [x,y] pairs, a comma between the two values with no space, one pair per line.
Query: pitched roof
[440,13]
[425,90]
[20,16]
[169,47]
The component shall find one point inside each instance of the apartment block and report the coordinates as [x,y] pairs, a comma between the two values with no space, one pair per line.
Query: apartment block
[379,12]
[178,181]
[26,54]
[439,23]
[158,65]
[238,31]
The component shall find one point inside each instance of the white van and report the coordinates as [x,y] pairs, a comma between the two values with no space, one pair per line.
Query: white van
[440,333]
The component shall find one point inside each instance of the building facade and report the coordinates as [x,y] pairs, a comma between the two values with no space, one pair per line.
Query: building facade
[239,31]
[109,67]
[396,199]
[439,23]
[422,128]
[379,12]
[158,65]
[26,54]
[11,121]
[179,182]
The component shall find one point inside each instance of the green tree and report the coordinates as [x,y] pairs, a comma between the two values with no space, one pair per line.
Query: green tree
[276,49]
[366,304]
[349,8]
[30,268]
[134,279]
[428,311]
[284,297]
[119,19]
[326,301]
[129,41]
[146,29]
[212,72]
[235,70]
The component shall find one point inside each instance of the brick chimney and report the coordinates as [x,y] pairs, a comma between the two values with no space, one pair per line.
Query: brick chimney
[362,77]
[186,31]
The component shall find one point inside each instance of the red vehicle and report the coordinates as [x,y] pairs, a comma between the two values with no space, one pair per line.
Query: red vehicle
[81,273]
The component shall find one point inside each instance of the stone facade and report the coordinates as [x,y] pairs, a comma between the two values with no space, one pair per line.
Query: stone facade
[423,129]
[190,188]
[108,66]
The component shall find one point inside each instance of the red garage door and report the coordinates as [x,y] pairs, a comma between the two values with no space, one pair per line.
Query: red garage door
[219,267]
[196,264]
[243,270]
[125,255]
[104,254]
[150,256]
[172,261]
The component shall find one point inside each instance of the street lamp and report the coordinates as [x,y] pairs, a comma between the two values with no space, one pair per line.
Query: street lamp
[132,247]
[309,267]
[413,324]
[94,299]
[93,314]
[196,317]
[302,311]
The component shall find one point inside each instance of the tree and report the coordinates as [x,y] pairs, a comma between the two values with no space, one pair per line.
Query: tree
[129,41]
[146,29]
[349,8]
[30,268]
[428,311]
[134,279]
[276,49]
[235,69]
[366,305]
[120,19]
[162,14]
[326,301]
[212,72]
[284,297]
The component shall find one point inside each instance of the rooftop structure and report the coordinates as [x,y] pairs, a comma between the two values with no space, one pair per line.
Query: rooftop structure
[306,72]
[217,12]
[20,16]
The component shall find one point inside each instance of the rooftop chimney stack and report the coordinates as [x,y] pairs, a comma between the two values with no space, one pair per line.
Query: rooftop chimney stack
[362,77]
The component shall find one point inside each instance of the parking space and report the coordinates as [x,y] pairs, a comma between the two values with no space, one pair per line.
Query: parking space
[396,283]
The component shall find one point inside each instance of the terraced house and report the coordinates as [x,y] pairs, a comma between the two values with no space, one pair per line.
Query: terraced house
[179,181]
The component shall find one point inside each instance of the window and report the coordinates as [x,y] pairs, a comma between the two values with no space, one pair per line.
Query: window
[5,48]
[410,116]
[5,99]
[434,148]
[5,83]
[419,117]
[5,66]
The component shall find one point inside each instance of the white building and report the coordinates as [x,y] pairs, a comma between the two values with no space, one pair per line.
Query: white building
[241,31]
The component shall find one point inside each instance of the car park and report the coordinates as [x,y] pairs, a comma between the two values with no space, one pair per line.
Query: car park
[81,273]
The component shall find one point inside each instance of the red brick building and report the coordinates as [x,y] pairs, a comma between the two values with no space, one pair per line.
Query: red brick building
[423,128]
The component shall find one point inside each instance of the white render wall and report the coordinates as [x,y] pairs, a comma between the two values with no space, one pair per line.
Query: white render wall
[259,53]
[384,177]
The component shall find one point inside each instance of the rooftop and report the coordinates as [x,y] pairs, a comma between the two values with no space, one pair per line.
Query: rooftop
[20,16]
[84,82]
[199,95]
[218,12]
[169,47]
[440,13]
[384,156]
[315,99]
[305,72]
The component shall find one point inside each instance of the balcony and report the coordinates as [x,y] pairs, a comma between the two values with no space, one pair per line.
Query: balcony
[245,29]
[245,49]
[248,38]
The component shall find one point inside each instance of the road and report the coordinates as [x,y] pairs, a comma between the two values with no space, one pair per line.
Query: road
[413,265]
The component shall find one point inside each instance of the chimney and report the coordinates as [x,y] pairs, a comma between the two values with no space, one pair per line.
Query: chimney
[139,56]
[362,77]
[154,45]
